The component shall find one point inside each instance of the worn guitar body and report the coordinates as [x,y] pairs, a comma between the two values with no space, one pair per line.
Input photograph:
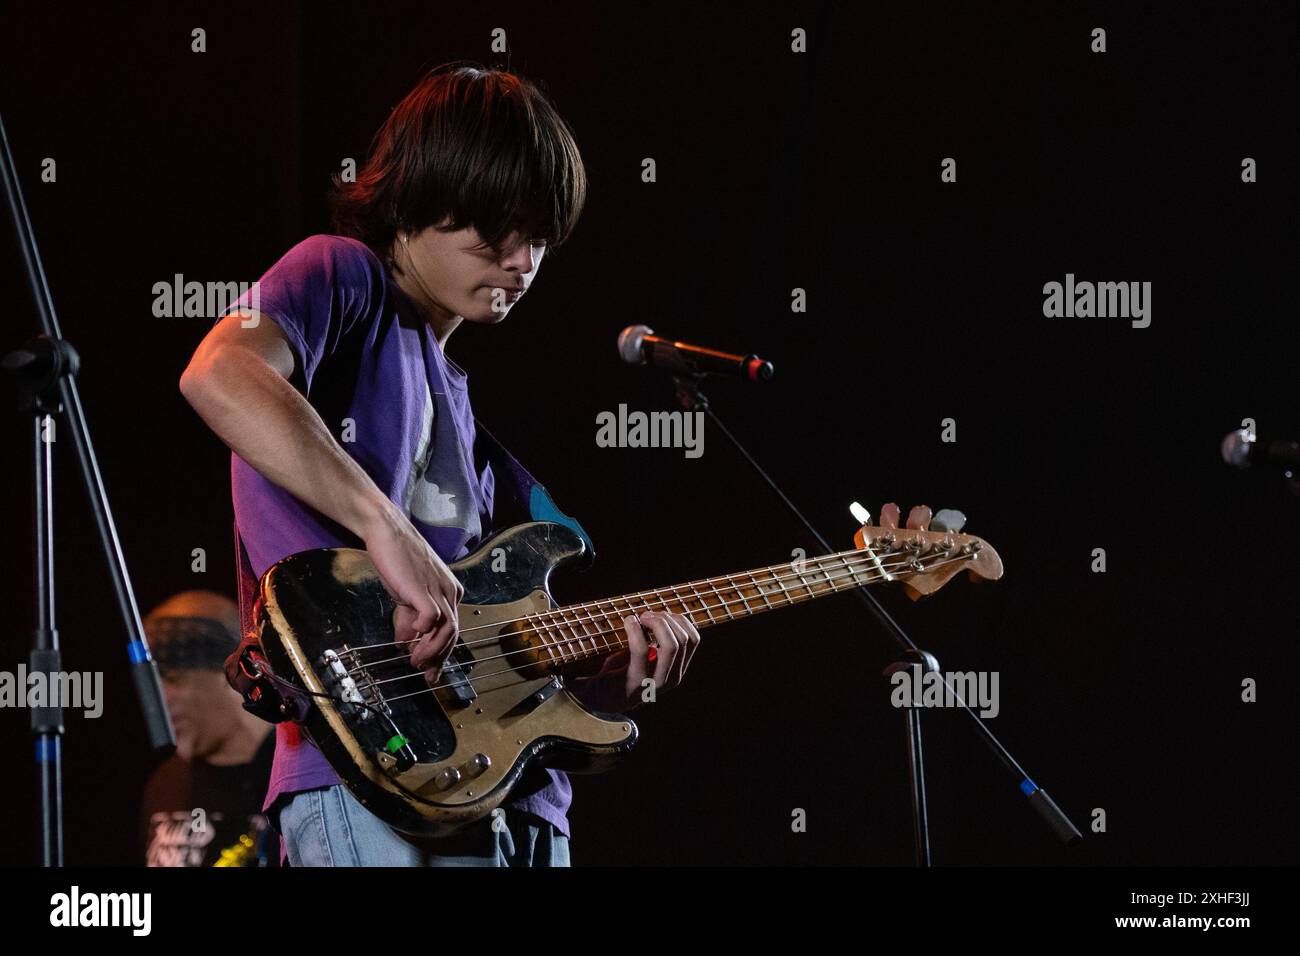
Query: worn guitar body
[431,760]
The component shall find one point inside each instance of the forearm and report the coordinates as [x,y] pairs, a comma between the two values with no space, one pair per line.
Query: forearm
[269,424]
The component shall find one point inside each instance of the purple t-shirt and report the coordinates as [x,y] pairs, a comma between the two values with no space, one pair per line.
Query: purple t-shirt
[374,371]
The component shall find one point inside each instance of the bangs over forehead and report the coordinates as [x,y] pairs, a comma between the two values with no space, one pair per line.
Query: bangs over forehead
[483,148]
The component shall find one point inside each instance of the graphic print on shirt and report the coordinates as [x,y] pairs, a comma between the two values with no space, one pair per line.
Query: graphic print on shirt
[177,838]
[446,502]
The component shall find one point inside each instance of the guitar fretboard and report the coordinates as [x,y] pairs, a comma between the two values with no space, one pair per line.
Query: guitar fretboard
[595,629]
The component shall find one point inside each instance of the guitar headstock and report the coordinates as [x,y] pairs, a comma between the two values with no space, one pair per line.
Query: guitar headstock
[924,561]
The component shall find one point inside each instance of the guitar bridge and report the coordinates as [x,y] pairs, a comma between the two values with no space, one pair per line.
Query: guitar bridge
[359,690]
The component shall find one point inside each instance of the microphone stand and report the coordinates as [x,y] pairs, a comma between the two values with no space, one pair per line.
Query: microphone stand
[43,369]
[691,399]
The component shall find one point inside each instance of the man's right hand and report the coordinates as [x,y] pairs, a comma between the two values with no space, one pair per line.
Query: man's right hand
[426,591]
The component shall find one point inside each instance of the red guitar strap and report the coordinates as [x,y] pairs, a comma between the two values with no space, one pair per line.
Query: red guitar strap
[247,669]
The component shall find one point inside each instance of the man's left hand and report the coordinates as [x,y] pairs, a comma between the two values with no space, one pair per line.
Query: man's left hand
[662,655]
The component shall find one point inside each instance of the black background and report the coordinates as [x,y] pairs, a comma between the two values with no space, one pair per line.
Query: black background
[776,170]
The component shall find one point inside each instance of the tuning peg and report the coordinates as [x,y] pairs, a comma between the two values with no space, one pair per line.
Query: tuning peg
[948,520]
[860,514]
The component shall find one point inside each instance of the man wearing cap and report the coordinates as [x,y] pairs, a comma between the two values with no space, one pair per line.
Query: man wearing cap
[202,807]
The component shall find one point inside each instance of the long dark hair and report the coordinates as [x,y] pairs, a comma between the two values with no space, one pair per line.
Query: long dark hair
[480,145]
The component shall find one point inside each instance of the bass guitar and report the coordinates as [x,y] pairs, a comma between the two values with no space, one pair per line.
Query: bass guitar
[428,760]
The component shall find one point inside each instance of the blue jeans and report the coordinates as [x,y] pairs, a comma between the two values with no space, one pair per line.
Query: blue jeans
[328,827]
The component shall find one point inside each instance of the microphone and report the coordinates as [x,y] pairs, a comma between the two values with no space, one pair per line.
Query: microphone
[1241,450]
[638,345]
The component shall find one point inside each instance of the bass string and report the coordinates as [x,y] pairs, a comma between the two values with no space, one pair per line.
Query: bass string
[508,670]
[548,618]
[828,587]
[834,561]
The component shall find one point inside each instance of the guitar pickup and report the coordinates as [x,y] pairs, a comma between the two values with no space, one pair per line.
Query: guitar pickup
[536,698]
[455,679]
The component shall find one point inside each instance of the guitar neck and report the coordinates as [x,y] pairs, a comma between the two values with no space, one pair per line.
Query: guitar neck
[595,629]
